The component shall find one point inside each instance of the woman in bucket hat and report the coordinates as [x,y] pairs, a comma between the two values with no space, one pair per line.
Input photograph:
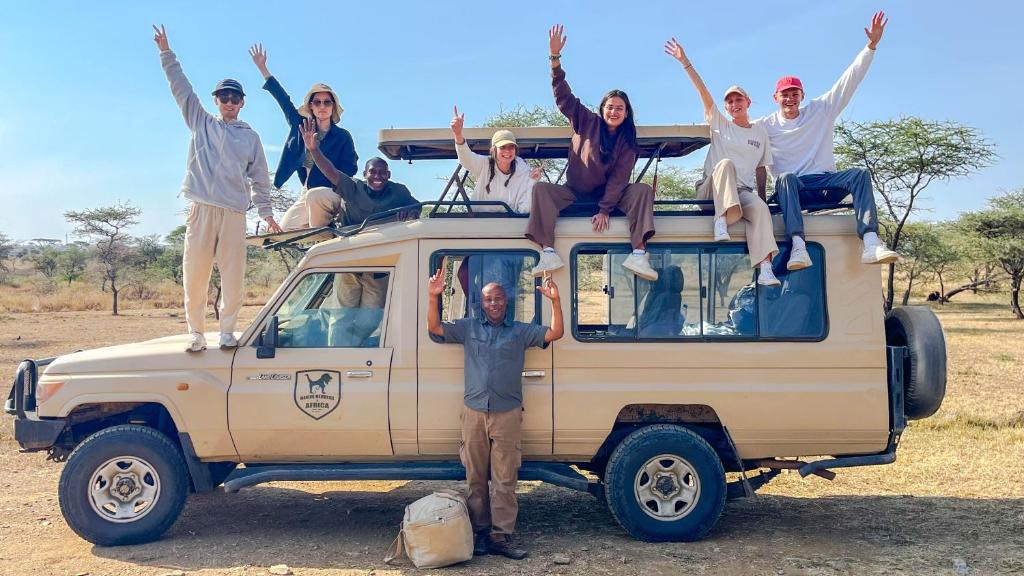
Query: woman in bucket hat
[321,104]
[734,168]
[500,176]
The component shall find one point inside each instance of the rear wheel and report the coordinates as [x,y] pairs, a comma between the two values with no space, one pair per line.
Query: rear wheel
[123,485]
[665,483]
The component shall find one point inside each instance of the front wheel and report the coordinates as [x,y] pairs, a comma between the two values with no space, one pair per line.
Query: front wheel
[665,483]
[123,485]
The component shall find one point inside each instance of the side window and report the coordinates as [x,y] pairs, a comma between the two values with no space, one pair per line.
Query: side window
[703,292]
[467,272]
[334,310]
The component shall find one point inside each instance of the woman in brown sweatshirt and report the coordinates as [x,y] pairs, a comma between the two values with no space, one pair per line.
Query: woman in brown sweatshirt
[601,158]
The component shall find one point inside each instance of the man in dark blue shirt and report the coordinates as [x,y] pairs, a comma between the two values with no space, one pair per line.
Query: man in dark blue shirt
[492,415]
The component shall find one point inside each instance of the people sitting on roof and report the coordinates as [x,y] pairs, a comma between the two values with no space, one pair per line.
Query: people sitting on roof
[321,103]
[351,200]
[601,158]
[803,161]
[735,164]
[501,176]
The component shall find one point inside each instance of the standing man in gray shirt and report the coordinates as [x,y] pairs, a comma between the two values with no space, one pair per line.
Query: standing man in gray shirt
[226,171]
[492,415]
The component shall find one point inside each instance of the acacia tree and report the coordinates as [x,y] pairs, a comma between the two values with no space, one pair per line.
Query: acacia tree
[6,249]
[904,157]
[1001,230]
[107,227]
[71,263]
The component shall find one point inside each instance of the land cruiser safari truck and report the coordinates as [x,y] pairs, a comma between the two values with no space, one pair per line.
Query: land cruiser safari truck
[658,390]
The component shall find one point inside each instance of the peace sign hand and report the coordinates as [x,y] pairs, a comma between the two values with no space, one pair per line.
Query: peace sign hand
[555,40]
[161,38]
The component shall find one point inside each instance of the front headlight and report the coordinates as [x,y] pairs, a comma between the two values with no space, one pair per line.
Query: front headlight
[48,385]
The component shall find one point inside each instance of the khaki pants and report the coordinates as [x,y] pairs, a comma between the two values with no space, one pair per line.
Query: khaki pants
[548,200]
[492,449]
[360,289]
[213,235]
[735,203]
[315,207]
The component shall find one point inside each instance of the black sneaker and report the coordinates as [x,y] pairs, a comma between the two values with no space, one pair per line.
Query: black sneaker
[502,545]
[480,541]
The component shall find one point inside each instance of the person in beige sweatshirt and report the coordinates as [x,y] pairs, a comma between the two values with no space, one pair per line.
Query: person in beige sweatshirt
[226,170]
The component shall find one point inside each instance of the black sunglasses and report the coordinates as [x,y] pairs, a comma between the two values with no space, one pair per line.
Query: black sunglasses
[229,98]
[318,102]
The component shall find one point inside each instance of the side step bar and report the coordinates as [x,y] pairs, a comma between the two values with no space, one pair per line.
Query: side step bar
[550,472]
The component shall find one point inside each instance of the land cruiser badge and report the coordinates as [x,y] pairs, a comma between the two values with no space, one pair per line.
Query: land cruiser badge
[317,392]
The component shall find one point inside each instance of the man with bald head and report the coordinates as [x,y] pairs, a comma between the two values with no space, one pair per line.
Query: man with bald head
[492,413]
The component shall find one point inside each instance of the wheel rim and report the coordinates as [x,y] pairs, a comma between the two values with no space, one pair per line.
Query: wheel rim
[667,487]
[124,489]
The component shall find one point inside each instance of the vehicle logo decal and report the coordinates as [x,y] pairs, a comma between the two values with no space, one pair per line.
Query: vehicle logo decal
[317,392]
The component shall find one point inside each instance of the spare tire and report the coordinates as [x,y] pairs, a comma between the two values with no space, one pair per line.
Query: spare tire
[924,386]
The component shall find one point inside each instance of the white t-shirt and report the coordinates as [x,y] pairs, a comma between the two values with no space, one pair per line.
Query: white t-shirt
[748,148]
[803,145]
[517,194]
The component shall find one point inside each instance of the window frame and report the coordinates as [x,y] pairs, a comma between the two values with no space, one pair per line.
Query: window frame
[438,255]
[702,248]
[294,285]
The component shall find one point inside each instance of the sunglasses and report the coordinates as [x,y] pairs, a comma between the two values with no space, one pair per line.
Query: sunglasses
[318,102]
[229,98]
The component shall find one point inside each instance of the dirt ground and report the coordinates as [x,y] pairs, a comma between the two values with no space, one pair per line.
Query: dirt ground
[952,504]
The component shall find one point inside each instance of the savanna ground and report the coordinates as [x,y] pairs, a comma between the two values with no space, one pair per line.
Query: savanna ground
[953,503]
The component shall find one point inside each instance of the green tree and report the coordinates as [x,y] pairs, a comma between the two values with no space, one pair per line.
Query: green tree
[107,228]
[927,250]
[904,157]
[45,261]
[6,250]
[71,263]
[1000,229]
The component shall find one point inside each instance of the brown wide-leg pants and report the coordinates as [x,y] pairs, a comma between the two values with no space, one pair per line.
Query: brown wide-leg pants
[492,450]
[548,200]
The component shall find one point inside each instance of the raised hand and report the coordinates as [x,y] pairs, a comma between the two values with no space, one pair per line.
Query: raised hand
[548,288]
[458,121]
[536,172]
[874,34]
[308,131]
[555,40]
[435,287]
[161,38]
[675,50]
[259,58]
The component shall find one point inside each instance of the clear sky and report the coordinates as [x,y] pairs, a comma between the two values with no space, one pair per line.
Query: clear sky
[87,119]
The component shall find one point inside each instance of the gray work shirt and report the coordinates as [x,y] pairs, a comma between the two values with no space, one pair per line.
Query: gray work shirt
[494,360]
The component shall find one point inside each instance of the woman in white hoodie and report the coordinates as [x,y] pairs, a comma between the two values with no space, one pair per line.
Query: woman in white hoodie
[500,176]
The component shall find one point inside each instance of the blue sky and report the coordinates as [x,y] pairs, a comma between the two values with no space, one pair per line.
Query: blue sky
[87,117]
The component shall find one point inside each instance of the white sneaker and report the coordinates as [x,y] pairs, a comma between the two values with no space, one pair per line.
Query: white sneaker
[766,277]
[228,340]
[641,266]
[197,342]
[549,262]
[798,259]
[878,254]
[721,230]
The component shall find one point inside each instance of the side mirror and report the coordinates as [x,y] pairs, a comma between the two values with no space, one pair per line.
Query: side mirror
[267,345]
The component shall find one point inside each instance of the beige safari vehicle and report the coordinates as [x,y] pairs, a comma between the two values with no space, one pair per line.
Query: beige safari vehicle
[663,399]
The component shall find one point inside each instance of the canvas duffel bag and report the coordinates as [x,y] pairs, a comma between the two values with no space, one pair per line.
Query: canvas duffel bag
[436,531]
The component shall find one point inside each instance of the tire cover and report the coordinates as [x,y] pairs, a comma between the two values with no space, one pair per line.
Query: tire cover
[918,328]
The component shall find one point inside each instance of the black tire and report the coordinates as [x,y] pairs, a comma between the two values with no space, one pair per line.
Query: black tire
[640,515]
[156,465]
[924,387]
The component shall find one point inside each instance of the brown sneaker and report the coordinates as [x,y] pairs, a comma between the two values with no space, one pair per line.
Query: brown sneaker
[480,541]
[502,545]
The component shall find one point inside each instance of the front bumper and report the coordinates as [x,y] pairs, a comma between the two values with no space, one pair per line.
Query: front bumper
[31,432]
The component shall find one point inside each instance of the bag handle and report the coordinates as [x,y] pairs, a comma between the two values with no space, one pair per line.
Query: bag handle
[397,548]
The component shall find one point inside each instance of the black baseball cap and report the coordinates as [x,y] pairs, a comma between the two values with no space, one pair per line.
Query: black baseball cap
[229,84]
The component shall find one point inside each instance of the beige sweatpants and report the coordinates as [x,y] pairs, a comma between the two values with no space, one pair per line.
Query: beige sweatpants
[315,207]
[492,453]
[213,235]
[735,203]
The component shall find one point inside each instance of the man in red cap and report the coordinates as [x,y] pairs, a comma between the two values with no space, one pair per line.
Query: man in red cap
[804,163]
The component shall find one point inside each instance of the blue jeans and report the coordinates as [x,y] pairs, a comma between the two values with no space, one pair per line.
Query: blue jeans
[826,188]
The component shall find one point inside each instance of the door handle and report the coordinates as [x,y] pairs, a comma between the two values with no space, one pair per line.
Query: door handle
[359,373]
[533,373]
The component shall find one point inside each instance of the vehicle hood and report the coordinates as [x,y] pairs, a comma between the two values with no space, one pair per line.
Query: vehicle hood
[167,353]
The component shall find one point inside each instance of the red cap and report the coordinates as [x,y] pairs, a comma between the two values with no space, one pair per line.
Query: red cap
[788,82]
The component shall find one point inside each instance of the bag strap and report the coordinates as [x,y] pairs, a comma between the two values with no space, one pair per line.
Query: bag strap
[397,548]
